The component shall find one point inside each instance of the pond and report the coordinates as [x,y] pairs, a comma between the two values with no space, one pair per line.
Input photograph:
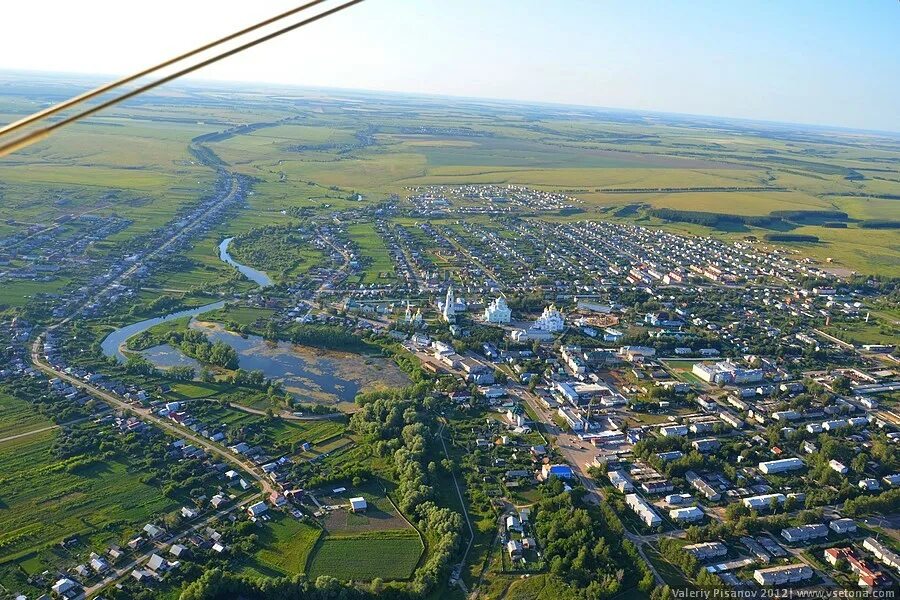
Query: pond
[311,374]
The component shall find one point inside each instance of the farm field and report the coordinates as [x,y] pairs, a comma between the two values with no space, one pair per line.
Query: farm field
[44,501]
[372,248]
[286,544]
[386,555]
[18,416]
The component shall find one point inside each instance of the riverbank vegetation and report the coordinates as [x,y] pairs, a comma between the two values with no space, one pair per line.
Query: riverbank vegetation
[283,252]
[191,343]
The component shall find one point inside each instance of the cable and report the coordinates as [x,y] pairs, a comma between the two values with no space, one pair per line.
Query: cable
[120,82]
[42,133]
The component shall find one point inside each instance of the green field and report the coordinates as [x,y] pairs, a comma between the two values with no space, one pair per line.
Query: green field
[286,544]
[18,416]
[42,501]
[386,554]
[379,265]
[860,332]
[282,433]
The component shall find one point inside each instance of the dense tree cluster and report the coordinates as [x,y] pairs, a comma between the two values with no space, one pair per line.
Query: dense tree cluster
[392,421]
[277,249]
[191,343]
[329,337]
[218,585]
[883,504]
[584,545]
[712,219]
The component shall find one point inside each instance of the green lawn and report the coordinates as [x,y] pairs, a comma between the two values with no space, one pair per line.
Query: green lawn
[373,249]
[860,332]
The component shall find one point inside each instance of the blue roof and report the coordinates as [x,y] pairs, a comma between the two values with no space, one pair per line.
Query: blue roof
[561,470]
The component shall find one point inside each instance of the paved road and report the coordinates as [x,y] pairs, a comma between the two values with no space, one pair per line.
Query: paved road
[575,458]
[187,229]
[147,415]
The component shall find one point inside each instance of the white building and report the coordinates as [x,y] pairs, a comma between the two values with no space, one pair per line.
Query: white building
[643,510]
[689,514]
[620,481]
[882,553]
[707,550]
[764,501]
[726,372]
[358,504]
[842,526]
[257,509]
[412,318]
[676,499]
[498,311]
[771,467]
[451,306]
[673,430]
[551,320]
[574,421]
[804,533]
[448,310]
[782,575]
[63,586]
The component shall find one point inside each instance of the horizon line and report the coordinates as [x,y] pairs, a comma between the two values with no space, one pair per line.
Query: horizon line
[435,95]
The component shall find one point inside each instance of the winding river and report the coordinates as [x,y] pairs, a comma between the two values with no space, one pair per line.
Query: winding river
[258,277]
[318,376]
[111,345]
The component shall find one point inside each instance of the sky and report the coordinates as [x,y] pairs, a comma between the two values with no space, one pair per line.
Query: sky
[823,62]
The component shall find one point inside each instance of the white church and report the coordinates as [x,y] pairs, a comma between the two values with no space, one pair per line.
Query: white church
[451,306]
[412,318]
[550,322]
[498,311]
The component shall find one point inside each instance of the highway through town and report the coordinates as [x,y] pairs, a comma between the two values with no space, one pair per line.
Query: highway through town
[147,415]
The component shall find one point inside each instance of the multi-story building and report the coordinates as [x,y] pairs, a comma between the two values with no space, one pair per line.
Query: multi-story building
[763,501]
[781,575]
[772,467]
[643,510]
[707,550]
[804,533]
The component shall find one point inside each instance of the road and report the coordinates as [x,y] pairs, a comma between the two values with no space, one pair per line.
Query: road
[9,438]
[147,415]
[837,341]
[187,229]
[473,259]
[157,548]
[462,502]
[329,283]
[575,458]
